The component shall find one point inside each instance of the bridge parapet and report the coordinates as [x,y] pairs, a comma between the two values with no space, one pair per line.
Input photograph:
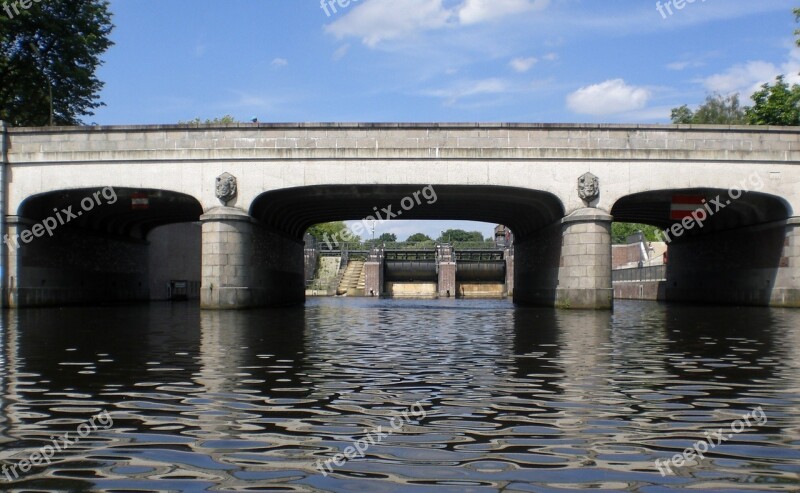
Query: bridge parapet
[403,141]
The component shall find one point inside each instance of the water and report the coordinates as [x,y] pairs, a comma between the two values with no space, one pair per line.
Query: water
[513,399]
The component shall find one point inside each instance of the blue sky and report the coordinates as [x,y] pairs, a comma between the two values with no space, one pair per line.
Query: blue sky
[437,60]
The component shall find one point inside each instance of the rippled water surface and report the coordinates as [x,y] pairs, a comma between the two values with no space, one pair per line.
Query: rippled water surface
[514,399]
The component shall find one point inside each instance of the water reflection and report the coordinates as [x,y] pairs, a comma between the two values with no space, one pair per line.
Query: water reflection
[516,399]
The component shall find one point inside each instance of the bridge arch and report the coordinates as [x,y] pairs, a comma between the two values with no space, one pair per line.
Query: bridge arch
[726,209]
[118,211]
[293,210]
[81,245]
[729,246]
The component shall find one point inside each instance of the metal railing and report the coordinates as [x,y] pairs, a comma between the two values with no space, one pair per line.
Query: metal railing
[640,274]
[404,245]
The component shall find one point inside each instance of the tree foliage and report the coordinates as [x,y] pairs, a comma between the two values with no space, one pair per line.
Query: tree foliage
[227,119]
[453,235]
[53,45]
[621,231]
[718,109]
[774,104]
[796,13]
[388,238]
[333,230]
[418,238]
[777,104]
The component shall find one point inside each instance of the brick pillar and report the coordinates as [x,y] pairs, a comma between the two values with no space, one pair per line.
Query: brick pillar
[447,272]
[373,274]
[584,275]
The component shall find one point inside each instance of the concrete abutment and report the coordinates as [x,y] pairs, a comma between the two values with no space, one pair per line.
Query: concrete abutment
[73,266]
[756,265]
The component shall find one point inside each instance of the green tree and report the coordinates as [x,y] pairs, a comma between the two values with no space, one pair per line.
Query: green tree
[777,104]
[682,114]
[328,231]
[621,231]
[216,121]
[418,238]
[718,109]
[388,238]
[796,13]
[453,235]
[49,53]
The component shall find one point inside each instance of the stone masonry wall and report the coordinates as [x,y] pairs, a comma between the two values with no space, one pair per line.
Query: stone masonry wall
[562,141]
[77,266]
[744,266]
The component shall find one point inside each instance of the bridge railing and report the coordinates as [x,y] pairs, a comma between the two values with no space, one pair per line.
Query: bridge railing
[640,274]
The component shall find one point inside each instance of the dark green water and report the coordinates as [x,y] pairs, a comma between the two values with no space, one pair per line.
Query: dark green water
[514,399]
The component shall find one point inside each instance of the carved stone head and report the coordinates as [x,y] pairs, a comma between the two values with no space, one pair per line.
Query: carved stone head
[588,187]
[226,187]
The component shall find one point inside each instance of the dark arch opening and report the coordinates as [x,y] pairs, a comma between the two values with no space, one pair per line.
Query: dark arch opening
[723,247]
[91,245]
[293,210]
[123,212]
[654,208]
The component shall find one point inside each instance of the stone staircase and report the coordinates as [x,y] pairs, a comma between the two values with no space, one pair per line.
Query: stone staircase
[353,281]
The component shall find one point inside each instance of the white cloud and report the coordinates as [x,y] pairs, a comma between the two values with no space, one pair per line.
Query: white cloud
[279,62]
[522,65]
[341,52]
[740,78]
[551,57]
[478,11]
[748,77]
[608,98]
[382,20]
[465,89]
[678,66]
[376,21]
[645,18]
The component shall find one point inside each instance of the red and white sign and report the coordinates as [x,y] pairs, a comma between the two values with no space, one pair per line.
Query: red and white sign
[139,200]
[684,205]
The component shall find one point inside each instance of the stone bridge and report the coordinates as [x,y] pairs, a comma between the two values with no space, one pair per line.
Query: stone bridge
[257,187]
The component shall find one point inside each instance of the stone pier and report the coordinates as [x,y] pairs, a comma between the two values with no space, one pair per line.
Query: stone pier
[568,264]
[245,266]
